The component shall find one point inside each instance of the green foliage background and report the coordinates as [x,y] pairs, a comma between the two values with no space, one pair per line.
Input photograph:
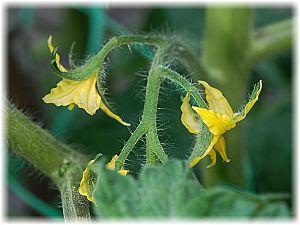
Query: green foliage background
[267,141]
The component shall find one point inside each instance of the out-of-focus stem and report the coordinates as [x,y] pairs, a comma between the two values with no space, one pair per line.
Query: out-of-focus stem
[271,40]
[226,58]
[56,160]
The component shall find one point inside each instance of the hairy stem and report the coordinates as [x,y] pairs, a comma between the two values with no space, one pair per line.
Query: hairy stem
[134,138]
[148,125]
[56,160]
[156,145]
[183,82]
[75,207]
[96,62]
[38,146]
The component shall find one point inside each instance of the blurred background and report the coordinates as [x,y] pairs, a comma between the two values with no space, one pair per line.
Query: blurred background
[268,140]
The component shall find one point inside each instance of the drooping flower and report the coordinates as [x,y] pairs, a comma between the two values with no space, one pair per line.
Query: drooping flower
[219,118]
[83,93]
[88,179]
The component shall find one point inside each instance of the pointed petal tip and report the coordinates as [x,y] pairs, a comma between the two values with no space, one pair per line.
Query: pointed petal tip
[210,165]
[126,124]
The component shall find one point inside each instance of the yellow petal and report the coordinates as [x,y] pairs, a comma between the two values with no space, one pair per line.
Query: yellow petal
[217,124]
[50,46]
[207,151]
[216,101]
[220,147]
[82,93]
[57,57]
[63,93]
[213,158]
[112,165]
[250,104]
[123,172]
[84,188]
[88,97]
[188,117]
[107,111]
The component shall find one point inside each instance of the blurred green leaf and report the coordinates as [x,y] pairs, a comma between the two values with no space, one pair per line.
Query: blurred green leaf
[172,191]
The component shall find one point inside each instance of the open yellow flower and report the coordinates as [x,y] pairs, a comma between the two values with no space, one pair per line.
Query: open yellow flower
[219,118]
[87,182]
[84,93]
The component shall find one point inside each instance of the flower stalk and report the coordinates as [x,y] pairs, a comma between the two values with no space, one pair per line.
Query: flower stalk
[148,124]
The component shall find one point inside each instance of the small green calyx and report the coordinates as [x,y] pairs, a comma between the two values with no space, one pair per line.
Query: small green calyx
[76,74]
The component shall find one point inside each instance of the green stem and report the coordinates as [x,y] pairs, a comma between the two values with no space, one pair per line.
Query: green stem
[150,150]
[149,116]
[190,60]
[156,145]
[271,40]
[148,125]
[134,138]
[183,82]
[75,207]
[95,63]
[38,146]
[55,159]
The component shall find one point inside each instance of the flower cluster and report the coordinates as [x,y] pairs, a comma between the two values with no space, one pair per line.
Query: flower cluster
[218,117]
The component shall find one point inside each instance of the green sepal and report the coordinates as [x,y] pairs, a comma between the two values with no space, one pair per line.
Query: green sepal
[78,73]
[251,97]
[203,140]
[94,173]
[99,88]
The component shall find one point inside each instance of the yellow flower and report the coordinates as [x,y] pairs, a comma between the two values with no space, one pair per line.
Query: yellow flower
[87,184]
[188,118]
[219,118]
[84,93]
[112,165]
[84,183]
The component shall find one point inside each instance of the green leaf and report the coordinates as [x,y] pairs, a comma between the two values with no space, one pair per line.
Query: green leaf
[173,191]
